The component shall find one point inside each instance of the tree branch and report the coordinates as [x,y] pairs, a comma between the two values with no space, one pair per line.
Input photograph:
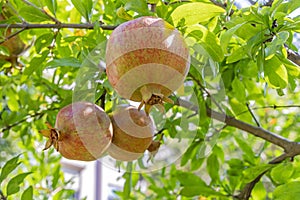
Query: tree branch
[293,56]
[57,26]
[35,115]
[291,148]
[245,194]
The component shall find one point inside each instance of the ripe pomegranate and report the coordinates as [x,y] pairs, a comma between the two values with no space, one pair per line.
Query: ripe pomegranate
[83,131]
[146,60]
[132,133]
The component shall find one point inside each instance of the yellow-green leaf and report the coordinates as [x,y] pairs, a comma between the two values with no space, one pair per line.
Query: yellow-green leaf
[194,13]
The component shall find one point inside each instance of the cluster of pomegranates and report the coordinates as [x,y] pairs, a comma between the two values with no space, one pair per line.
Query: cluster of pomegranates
[146,60]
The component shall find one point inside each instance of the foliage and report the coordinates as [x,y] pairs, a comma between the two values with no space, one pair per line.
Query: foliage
[240,67]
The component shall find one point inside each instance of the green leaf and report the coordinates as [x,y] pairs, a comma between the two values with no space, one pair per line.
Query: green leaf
[61,193]
[83,7]
[190,191]
[52,6]
[33,14]
[237,54]
[292,68]
[227,35]
[42,41]
[12,102]
[139,6]
[276,73]
[259,192]
[276,44]
[194,13]
[27,194]
[128,181]
[288,191]
[4,51]
[239,89]
[282,172]
[36,63]
[189,179]
[8,167]
[213,167]
[56,176]
[205,40]
[13,185]
[252,173]
[64,62]
[246,149]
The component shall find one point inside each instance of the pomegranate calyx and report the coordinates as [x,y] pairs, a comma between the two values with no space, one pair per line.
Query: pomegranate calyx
[52,134]
[157,100]
[153,148]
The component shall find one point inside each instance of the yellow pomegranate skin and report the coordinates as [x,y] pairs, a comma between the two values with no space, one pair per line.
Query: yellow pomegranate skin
[133,131]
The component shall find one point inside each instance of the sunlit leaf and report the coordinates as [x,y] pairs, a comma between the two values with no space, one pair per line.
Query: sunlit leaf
[8,167]
[282,172]
[32,14]
[288,191]
[194,13]
[252,173]
[276,73]
[13,184]
[52,6]
[27,194]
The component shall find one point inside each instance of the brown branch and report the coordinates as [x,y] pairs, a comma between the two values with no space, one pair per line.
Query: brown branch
[269,3]
[254,130]
[57,26]
[174,2]
[245,194]
[12,35]
[293,56]
[291,149]
[35,115]
[218,4]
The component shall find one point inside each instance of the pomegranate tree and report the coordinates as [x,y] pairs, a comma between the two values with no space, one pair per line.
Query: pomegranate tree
[132,133]
[82,131]
[146,60]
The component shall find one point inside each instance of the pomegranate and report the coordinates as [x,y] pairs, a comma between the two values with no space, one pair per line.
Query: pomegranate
[132,133]
[14,45]
[83,131]
[146,60]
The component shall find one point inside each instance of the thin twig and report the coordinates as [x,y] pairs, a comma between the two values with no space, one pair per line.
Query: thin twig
[252,114]
[12,35]
[206,92]
[174,2]
[271,106]
[38,114]
[290,147]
